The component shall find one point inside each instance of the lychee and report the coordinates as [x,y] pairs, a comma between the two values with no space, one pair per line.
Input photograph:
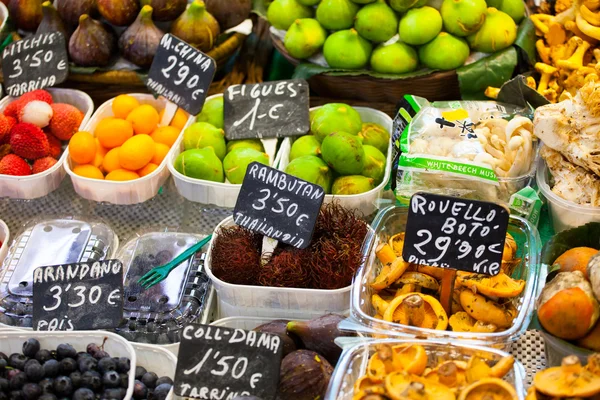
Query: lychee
[12,164]
[36,112]
[13,109]
[66,120]
[29,141]
[55,145]
[6,124]
[42,164]
[40,94]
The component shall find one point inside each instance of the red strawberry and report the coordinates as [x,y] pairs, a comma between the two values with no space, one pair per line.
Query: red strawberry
[42,164]
[12,164]
[29,141]
[65,120]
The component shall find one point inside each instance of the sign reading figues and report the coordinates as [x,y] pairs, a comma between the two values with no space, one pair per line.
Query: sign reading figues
[449,232]
[222,363]
[181,73]
[278,205]
[83,296]
[270,109]
[35,63]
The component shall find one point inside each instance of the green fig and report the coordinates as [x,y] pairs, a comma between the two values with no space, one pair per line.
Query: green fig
[445,52]
[212,112]
[236,163]
[347,50]
[403,5]
[374,164]
[311,169]
[396,58]
[497,32]
[514,8]
[305,146]
[336,15]
[344,153]
[197,27]
[200,164]
[255,144]
[309,3]
[201,134]
[282,13]
[463,17]
[363,1]
[376,22]
[334,117]
[497,4]
[352,184]
[375,135]
[304,375]
[304,38]
[420,25]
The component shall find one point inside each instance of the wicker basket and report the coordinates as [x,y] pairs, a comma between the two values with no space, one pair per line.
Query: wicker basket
[434,87]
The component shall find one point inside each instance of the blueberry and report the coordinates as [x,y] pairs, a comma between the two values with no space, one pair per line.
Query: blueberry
[140,391]
[16,395]
[51,368]
[123,365]
[100,354]
[149,379]
[18,380]
[4,385]
[34,371]
[164,379]
[91,380]
[47,385]
[87,364]
[139,372]
[47,396]
[43,355]
[31,347]
[161,391]
[31,391]
[11,373]
[111,379]
[92,348]
[163,257]
[68,365]
[17,361]
[65,350]
[113,394]
[106,364]
[63,386]
[124,380]
[84,394]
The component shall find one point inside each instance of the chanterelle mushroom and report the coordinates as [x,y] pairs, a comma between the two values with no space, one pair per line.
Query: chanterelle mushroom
[489,389]
[568,380]
[416,309]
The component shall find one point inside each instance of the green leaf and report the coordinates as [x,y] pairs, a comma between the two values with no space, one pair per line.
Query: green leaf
[493,71]
[308,70]
[518,93]
[526,40]
[587,235]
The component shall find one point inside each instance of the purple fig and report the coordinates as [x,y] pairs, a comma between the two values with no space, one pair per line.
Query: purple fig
[92,44]
[71,10]
[197,27]
[51,21]
[119,12]
[140,41]
[304,375]
[27,14]
[166,10]
[229,13]
[279,327]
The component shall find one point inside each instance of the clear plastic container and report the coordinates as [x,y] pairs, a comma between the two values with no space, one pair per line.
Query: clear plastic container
[5,239]
[158,314]
[127,192]
[353,363]
[156,359]
[39,185]
[208,192]
[49,241]
[565,214]
[366,203]
[392,220]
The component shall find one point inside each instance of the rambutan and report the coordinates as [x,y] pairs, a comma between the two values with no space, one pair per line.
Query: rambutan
[236,256]
[29,141]
[14,165]
[286,268]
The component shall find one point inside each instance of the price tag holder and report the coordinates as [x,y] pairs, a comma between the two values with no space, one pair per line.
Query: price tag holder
[35,63]
[84,296]
[278,205]
[264,110]
[181,73]
[222,363]
[449,232]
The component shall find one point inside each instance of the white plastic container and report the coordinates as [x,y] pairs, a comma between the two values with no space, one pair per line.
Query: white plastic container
[39,185]
[116,346]
[565,214]
[207,192]
[5,239]
[272,302]
[127,192]
[366,203]
[156,359]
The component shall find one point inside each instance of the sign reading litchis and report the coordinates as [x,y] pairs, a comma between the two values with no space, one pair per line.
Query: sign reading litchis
[222,363]
[35,63]
[84,296]
[449,232]
[181,73]
[264,110]
[278,205]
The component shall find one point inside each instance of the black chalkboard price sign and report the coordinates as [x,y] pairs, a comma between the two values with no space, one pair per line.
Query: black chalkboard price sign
[35,63]
[263,110]
[181,73]
[455,233]
[223,363]
[83,296]
[278,205]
